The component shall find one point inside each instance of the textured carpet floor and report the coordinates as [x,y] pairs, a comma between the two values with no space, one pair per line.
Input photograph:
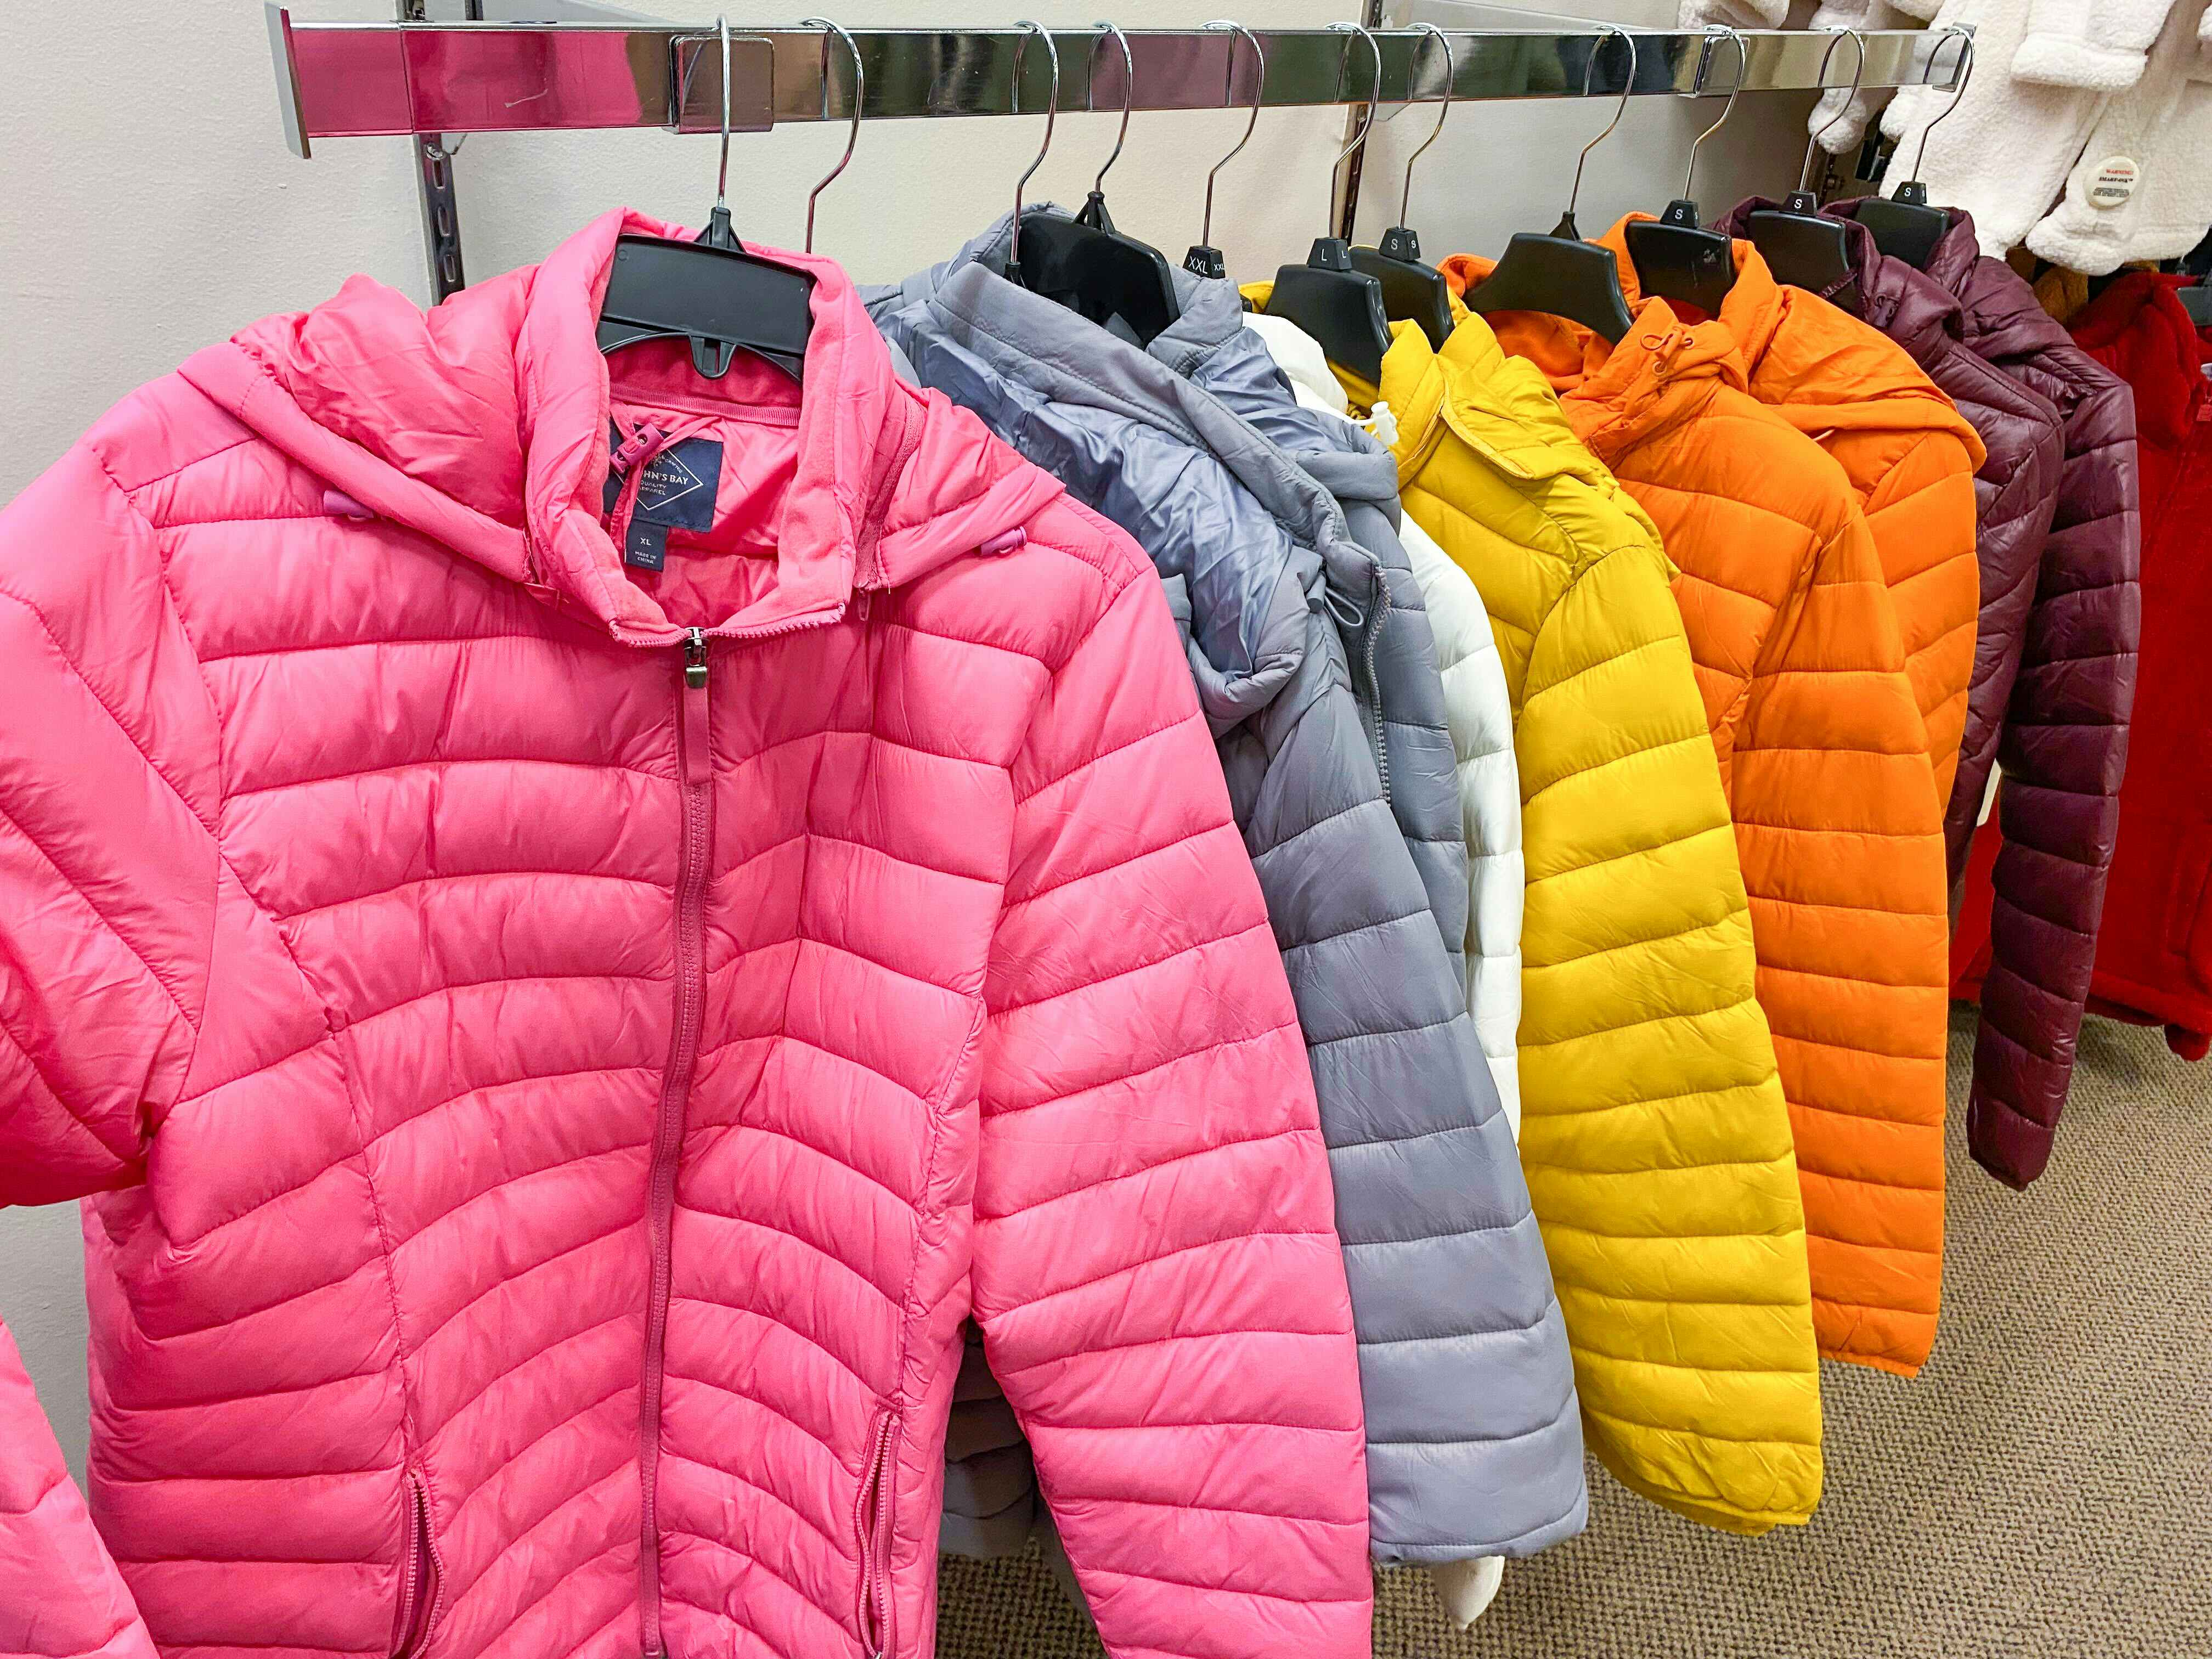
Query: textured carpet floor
[2043,1491]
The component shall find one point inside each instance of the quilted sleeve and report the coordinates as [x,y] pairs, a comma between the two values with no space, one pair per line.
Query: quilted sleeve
[1155,1272]
[60,1595]
[2015,514]
[106,908]
[1480,715]
[1655,1140]
[1921,516]
[1842,847]
[2064,748]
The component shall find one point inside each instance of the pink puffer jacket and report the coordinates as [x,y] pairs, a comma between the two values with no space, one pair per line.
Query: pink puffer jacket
[560,1049]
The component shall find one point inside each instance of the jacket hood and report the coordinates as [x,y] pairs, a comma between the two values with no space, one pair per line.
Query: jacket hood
[1210,342]
[1801,350]
[1662,373]
[1239,530]
[484,424]
[1904,303]
[2138,326]
[1820,368]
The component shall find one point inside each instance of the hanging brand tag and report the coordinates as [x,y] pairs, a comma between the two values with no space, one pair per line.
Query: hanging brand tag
[678,489]
[2114,181]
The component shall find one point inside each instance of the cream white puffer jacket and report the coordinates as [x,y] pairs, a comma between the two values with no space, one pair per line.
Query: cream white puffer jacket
[1480,715]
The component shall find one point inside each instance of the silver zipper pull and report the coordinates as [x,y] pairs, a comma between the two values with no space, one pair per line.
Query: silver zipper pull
[695,659]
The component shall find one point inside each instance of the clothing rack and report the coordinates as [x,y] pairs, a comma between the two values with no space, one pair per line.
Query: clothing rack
[539,65]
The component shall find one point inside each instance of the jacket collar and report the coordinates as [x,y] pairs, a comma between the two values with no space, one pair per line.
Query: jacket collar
[1958,250]
[1908,306]
[483,423]
[1820,368]
[1498,405]
[1662,372]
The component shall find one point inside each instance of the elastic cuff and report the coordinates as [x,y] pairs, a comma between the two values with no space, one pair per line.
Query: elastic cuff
[2078,248]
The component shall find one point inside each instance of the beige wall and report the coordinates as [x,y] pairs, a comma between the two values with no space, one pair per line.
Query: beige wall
[147,206]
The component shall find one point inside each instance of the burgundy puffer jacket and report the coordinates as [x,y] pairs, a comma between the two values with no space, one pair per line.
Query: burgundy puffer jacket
[2065,741]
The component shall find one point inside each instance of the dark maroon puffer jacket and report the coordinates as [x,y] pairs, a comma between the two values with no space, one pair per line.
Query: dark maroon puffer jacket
[2064,742]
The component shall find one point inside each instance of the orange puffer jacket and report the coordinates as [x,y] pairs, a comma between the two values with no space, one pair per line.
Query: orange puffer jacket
[1825,756]
[1909,453]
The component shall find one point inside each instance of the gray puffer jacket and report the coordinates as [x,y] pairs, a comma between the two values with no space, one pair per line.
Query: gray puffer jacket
[1474,1443]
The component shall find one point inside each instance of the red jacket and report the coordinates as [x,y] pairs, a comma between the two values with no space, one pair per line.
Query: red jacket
[2155,955]
[2155,948]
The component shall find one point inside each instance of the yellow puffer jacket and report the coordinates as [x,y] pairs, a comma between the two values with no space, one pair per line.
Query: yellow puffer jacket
[1654,1132]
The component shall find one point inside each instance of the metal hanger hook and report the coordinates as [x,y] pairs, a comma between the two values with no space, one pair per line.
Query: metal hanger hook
[1128,95]
[1029,31]
[1451,73]
[722,178]
[859,97]
[1374,98]
[1259,91]
[1858,76]
[1713,30]
[1575,194]
[1966,75]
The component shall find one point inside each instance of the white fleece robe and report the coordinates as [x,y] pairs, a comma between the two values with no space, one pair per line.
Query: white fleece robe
[1738,14]
[2099,44]
[2004,153]
[1860,107]
[2163,125]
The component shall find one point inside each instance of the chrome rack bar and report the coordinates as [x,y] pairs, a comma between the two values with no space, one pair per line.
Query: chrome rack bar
[351,80]
[607,70]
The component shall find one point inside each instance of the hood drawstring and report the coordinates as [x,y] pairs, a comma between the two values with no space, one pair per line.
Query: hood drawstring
[1348,611]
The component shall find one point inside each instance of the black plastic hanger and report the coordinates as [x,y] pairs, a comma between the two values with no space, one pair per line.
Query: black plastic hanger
[1675,257]
[1801,246]
[1205,259]
[1412,290]
[1902,224]
[1561,275]
[711,292]
[1341,307]
[1087,264]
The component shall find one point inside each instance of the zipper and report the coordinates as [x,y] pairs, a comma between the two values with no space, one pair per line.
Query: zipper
[695,764]
[871,527]
[871,1525]
[1375,620]
[422,1588]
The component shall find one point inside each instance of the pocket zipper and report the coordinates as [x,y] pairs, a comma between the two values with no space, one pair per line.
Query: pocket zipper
[423,1587]
[872,1525]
